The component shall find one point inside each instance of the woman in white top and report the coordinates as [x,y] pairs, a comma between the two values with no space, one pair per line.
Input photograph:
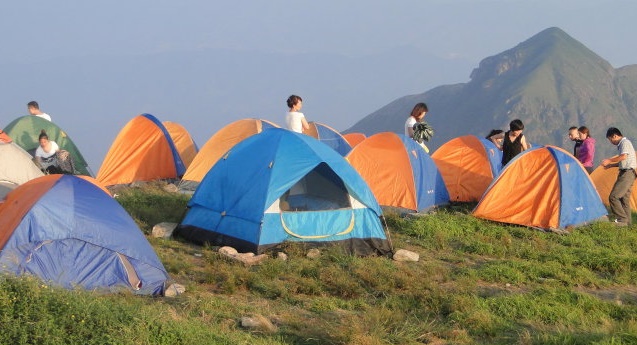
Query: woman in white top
[45,153]
[294,119]
[417,115]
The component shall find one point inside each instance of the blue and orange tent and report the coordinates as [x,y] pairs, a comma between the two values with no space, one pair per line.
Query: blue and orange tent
[543,187]
[68,231]
[468,165]
[279,186]
[142,151]
[399,172]
[329,136]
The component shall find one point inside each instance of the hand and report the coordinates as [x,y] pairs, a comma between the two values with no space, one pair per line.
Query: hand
[606,163]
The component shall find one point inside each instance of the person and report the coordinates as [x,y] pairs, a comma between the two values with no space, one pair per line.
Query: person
[496,136]
[586,151]
[573,134]
[416,116]
[625,160]
[294,119]
[45,156]
[514,141]
[34,109]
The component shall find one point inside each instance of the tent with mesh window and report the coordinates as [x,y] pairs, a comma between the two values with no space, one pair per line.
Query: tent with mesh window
[280,186]
[68,231]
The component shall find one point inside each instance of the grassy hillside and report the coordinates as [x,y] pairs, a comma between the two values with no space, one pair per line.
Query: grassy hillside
[476,283]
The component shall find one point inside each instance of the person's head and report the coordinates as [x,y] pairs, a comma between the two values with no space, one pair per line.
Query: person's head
[295,102]
[419,111]
[33,107]
[583,132]
[614,135]
[573,134]
[43,138]
[516,125]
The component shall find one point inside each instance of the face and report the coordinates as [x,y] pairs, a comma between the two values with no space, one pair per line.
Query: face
[615,139]
[421,116]
[298,106]
[44,142]
[32,110]
[573,135]
[582,136]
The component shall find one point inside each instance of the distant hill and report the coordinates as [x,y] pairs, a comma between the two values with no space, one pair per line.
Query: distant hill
[550,81]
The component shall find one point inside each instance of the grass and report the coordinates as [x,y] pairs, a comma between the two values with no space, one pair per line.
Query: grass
[477,282]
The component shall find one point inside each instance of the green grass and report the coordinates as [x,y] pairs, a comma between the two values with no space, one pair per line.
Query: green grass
[477,282]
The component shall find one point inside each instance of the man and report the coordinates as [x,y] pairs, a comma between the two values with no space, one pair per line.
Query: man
[626,161]
[573,134]
[34,109]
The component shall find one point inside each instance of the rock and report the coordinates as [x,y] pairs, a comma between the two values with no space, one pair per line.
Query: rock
[258,322]
[405,255]
[170,188]
[245,258]
[313,253]
[174,290]
[282,256]
[163,230]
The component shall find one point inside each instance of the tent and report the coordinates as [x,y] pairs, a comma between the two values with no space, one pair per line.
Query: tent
[280,186]
[65,230]
[468,164]
[217,146]
[142,151]
[604,180]
[16,167]
[184,143]
[25,131]
[354,139]
[543,187]
[329,136]
[399,172]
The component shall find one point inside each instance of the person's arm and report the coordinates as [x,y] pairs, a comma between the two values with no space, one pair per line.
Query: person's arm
[613,161]
[306,125]
[525,145]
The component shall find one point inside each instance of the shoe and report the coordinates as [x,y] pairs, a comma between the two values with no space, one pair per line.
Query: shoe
[618,223]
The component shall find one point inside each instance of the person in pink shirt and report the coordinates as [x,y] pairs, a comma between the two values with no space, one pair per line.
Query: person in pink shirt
[586,152]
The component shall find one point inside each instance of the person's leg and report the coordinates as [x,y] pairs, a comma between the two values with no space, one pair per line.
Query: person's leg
[621,188]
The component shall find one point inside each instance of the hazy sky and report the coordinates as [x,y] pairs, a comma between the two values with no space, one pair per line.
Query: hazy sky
[455,29]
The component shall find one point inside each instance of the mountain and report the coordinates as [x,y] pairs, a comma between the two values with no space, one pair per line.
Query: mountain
[550,81]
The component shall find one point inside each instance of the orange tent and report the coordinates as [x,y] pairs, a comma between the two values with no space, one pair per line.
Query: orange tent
[217,146]
[142,151]
[544,187]
[354,138]
[183,142]
[468,164]
[399,172]
[604,179]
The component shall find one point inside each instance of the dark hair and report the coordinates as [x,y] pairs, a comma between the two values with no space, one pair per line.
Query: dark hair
[494,132]
[43,135]
[418,109]
[612,131]
[584,130]
[516,125]
[572,128]
[293,100]
[33,104]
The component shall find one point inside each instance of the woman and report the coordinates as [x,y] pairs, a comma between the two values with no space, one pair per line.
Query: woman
[514,141]
[496,136]
[416,116]
[294,119]
[586,152]
[45,154]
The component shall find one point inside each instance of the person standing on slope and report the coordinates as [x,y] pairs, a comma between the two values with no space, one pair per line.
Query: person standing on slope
[416,128]
[514,141]
[586,151]
[619,198]
[294,119]
[34,109]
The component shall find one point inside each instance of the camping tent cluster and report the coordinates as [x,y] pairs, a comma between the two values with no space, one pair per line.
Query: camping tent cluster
[256,186]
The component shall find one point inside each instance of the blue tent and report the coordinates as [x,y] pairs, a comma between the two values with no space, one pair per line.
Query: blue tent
[280,186]
[330,137]
[543,187]
[67,231]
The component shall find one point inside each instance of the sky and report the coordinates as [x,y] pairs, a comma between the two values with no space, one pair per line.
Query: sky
[470,30]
